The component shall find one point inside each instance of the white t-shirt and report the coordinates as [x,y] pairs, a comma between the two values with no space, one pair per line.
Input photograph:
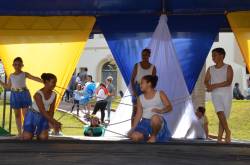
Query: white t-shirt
[143,72]
[219,75]
[78,80]
[149,104]
[46,103]
[101,95]
[18,81]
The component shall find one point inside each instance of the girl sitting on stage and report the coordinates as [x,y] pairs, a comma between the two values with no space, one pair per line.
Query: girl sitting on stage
[20,98]
[41,113]
[149,124]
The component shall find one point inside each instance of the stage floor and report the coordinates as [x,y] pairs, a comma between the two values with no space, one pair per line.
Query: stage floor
[75,152]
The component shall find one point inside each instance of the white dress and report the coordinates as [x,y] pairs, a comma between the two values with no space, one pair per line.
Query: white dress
[221,97]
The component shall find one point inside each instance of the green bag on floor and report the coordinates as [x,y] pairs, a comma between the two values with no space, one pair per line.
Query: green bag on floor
[3,132]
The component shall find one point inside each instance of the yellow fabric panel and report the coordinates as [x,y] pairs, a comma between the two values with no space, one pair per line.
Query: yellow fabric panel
[240,25]
[46,44]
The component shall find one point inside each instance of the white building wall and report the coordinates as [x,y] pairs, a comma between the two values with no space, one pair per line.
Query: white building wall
[97,53]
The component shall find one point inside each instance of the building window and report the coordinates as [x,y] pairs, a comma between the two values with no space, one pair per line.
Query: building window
[110,69]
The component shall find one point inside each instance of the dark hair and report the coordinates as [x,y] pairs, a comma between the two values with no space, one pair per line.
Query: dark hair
[236,84]
[201,110]
[146,50]
[221,51]
[48,77]
[90,76]
[86,69]
[18,59]
[103,85]
[151,79]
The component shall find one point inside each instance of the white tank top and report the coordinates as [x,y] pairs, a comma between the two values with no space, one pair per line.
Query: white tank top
[143,72]
[219,75]
[18,81]
[149,104]
[46,103]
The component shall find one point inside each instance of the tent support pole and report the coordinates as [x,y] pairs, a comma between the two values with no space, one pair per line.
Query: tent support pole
[4,104]
[10,120]
[163,3]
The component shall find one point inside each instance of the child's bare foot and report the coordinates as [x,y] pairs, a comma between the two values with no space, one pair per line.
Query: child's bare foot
[228,137]
[152,139]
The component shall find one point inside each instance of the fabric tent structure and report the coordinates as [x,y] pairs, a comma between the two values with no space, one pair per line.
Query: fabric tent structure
[171,80]
[100,7]
[46,45]
[240,24]
[204,19]
[128,35]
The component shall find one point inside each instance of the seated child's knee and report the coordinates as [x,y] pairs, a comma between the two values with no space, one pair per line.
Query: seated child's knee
[27,136]
[136,137]
[43,137]
[156,119]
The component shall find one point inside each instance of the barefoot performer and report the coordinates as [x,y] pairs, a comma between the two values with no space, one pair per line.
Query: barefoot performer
[218,81]
[20,98]
[149,124]
[41,113]
[141,69]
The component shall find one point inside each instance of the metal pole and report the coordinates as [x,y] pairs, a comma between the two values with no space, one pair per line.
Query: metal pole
[10,120]
[163,3]
[4,104]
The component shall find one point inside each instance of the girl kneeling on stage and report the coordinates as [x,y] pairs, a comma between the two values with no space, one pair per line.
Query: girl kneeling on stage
[149,124]
[41,113]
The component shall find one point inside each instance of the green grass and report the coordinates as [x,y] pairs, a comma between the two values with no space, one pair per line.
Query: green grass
[239,121]
[71,125]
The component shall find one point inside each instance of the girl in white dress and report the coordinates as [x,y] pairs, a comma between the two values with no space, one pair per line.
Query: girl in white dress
[218,81]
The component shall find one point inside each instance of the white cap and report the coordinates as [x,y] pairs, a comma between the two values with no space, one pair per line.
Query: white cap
[109,78]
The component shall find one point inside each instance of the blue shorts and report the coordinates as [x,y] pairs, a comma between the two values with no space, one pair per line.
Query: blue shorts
[144,127]
[138,91]
[20,100]
[35,123]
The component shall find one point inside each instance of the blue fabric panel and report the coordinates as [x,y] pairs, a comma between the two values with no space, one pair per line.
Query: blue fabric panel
[192,36]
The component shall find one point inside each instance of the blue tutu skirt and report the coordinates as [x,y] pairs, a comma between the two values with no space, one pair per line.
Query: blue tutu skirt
[144,127]
[20,100]
[35,123]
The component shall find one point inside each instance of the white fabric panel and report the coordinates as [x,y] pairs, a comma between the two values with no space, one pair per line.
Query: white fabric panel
[171,80]
[122,113]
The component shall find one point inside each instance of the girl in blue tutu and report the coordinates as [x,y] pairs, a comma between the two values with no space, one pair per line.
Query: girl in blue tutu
[20,98]
[41,113]
[149,124]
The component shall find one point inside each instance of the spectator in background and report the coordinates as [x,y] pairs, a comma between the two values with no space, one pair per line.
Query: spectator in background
[237,93]
[111,94]
[83,75]
[78,79]
[71,87]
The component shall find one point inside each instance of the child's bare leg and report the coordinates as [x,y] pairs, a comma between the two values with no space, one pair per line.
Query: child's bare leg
[18,116]
[137,137]
[220,133]
[27,136]
[156,124]
[224,125]
[44,135]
